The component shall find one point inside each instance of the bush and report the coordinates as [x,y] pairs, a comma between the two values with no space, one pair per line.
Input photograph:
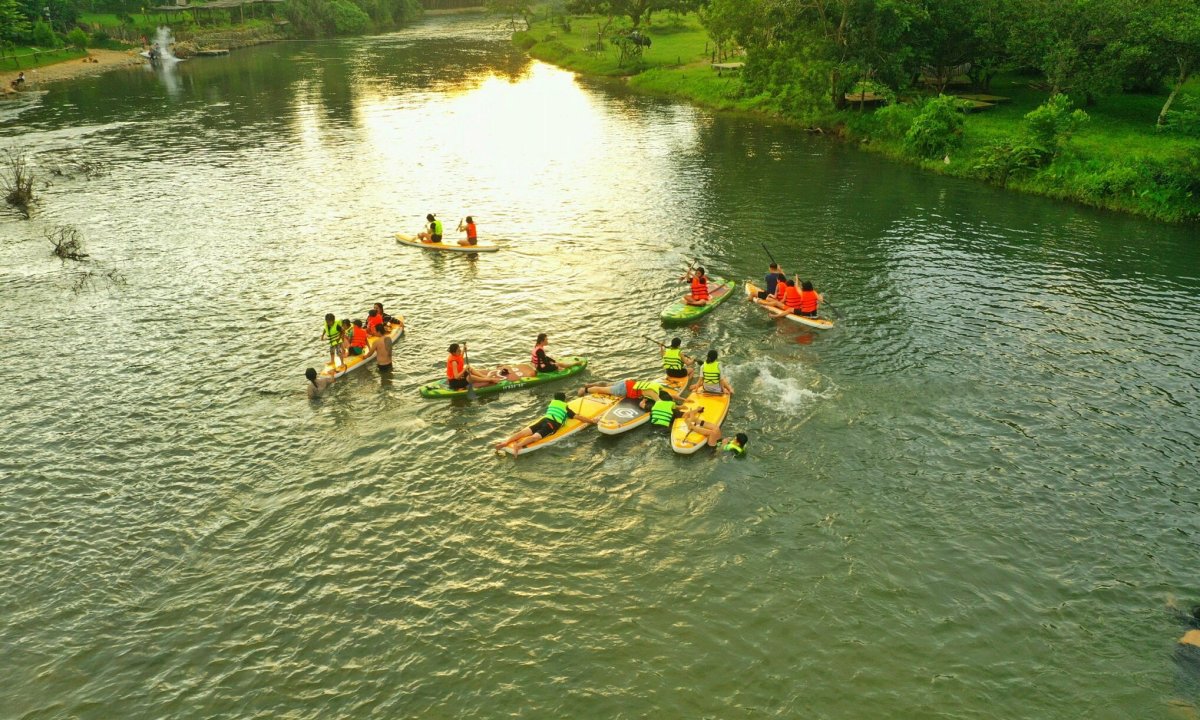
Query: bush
[937,129]
[1185,120]
[893,121]
[44,36]
[1052,123]
[348,18]
[78,38]
[997,163]
[524,40]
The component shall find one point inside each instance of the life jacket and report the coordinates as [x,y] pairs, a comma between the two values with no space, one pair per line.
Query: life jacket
[808,301]
[672,359]
[435,228]
[631,390]
[699,288]
[643,386]
[733,447]
[471,232]
[333,334]
[358,337]
[557,412]
[712,373]
[780,291]
[454,366]
[791,297]
[373,322]
[533,358]
[662,413]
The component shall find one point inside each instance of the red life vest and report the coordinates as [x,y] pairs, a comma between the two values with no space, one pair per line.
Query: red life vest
[454,366]
[699,288]
[358,337]
[630,392]
[373,322]
[791,298]
[533,358]
[471,231]
[780,291]
[808,301]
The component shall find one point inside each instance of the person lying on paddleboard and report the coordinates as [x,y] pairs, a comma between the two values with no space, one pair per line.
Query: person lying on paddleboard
[459,375]
[316,383]
[556,414]
[803,301]
[631,389]
[711,380]
[674,362]
[699,294]
[468,225]
[711,431]
[543,362]
[332,334]
[432,232]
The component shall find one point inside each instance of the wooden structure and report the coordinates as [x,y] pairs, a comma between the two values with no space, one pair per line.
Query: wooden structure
[209,7]
[728,66]
[862,99]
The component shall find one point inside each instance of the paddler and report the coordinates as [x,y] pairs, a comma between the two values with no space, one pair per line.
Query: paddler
[459,375]
[468,226]
[774,275]
[433,231]
[556,414]
[374,322]
[675,363]
[388,319]
[699,294]
[663,412]
[711,380]
[801,301]
[543,362]
[316,383]
[332,334]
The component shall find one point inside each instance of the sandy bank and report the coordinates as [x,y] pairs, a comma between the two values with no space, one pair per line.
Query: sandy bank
[97,61]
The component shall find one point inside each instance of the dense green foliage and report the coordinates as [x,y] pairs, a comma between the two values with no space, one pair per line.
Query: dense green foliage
[936,129]
[316,18]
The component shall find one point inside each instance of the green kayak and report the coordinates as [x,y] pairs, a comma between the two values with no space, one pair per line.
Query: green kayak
[526,378]
[681,312]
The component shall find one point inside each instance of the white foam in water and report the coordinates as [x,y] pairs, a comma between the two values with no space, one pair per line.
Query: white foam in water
[789,387]
[164,40]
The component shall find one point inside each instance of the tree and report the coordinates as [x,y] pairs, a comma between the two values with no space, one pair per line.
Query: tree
[1176,30]
[14,25]
[513,9]
[635,10]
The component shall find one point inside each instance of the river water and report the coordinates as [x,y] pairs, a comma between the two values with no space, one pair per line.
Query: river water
[970,499]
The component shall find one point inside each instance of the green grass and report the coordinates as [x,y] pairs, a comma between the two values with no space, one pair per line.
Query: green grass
[1118,160]
[24,58]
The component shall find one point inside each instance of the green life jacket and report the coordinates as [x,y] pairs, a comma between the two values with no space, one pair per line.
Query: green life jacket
[662,413]
[333,335]
[436,228]
[733,447]
[557,411]
[712,373]
[645,385]
[672,359]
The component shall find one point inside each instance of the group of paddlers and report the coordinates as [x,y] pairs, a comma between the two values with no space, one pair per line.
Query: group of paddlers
[355,338]
[432,233]
[788,295]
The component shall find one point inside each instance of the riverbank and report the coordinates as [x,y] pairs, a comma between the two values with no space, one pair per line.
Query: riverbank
[95,62]
[1117,161]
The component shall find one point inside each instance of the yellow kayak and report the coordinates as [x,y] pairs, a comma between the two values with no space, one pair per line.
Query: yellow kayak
[629,414]
[713,406]
[354,362]
[588,406]
[482,247]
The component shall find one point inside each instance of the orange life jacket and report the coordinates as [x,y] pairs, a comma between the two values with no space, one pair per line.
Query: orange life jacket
[358,337]
[471,231]
[630,392]
[454,366]
[699,288]
[780,291]
[373,322]
[808,301]
[791,297]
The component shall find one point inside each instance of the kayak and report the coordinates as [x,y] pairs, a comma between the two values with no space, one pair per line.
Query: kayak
[355,362]
[441,388]
[753,290]
[588,406]
[713,406]
[681,312]
[629,414]
[482,247]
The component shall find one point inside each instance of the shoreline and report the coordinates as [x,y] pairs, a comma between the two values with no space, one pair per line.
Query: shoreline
[95,62]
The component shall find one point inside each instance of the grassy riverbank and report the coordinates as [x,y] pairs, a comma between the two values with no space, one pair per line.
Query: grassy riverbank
[1117,160]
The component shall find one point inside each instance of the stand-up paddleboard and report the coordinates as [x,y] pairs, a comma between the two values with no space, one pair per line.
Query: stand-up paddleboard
[819,323]
[718,292]
[482,247]
[588,406]
[441,388]
[353,362]
[713,406]
[629,414]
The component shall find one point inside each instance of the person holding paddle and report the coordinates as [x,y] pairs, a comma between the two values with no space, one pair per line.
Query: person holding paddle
[468,225]
[432,232]
[459,375]
[675,363]
[699,294]
[774,276]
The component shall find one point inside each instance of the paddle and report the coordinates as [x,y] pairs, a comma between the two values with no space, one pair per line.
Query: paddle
[769,255]
[467,364]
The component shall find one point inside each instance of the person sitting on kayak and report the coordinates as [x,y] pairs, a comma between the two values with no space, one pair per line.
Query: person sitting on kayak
[356,337]
[631,389]
[675,362]
[432,232]
[711,380]
[316,383]
[332,334]
[468,225]
[737,445]
[459,375]
[543,362]
[699,293]
[774,275]
[388,319]
[374,322]
[801,302]
[556,414]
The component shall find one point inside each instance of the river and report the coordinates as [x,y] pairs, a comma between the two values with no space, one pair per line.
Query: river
[969,499]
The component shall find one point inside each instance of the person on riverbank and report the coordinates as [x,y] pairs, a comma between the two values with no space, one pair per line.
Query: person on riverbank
[332,334]
[316,383]
[699,294]
[543,362]
[674,362]
[19,82]
[557,413]
[468,226]
[711,380]
[433,231]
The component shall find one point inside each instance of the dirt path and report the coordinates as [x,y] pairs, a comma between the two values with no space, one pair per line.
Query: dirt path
[69,69]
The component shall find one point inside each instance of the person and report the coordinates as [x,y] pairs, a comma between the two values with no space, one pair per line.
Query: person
[543,362]
[675,362]
[383,349]
[711,380]
[333,335]
[388,319]
[803,301]
[459,375]
[19,83]
[710,431]
[316,383]
[556,414]
[433,231]
[699,293]
[774,275]
[356,337]
[631,389]
[374,322]
[663,412]
[737,445]
[472,234]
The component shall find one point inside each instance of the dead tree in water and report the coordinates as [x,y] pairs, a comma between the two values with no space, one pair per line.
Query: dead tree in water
[67,245]
[16,179]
